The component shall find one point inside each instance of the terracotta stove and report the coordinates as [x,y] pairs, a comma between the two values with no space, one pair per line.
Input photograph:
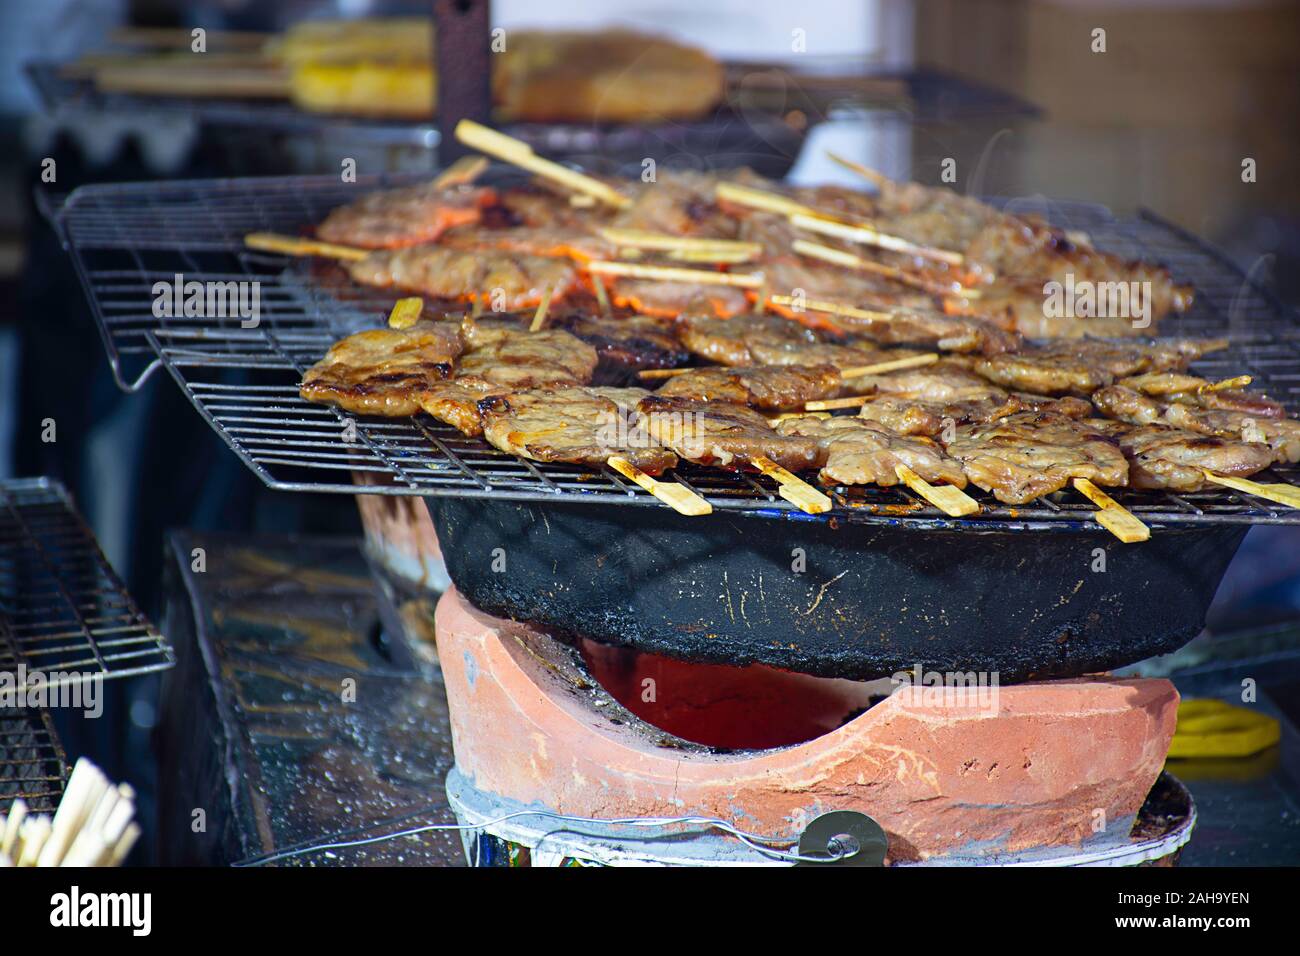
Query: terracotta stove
[612,740]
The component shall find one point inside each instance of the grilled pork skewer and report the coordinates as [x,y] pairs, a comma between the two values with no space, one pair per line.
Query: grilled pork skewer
[586,426]
[863,453]
[411,215]
[727,435]
[907,326]
[767,340]
[575,424]
[774,388]
[404,217]
[1282,435]
[500,359]
[1032,454]
[1081,367]
[496,279]
[1165,458]
[1012,246]
[383,371]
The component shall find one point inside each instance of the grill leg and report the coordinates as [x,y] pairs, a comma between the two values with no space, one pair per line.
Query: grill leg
[462,68]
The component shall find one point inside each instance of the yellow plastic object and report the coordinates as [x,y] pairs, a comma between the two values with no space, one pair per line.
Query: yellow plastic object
[1211,728]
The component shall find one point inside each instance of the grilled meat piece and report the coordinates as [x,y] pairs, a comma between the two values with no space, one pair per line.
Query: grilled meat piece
[786,272]
[1282,435]
[1081,367]
[583,426]
[722,434]
[395,218]
[927,327]
[671,299]
[679,203]
[382,371]
[727,341]
[1190,390]
[1019,305]
[501,359]
[908,416]
[1161,457]
[1032,454]
[863,453]
[911,416]
[1034,250]
[549,242]
[943,381]
[494,278]
[769,387]
[625,345]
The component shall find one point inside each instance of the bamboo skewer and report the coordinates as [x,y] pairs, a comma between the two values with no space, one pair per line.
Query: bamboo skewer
[807,217]
[762,200]
[893,365]
[539,317]
[91,827]
[467,169]
[834,308]
[406,312]
[866,172]
[667,242]
[298,246]
[868,236]
[675,274]
[1113,516]
[948,499]
[723,257]
[839,257]
[853,371]
[674,494]
[517,153]
[1239,381]
[793,488]
[1283,494]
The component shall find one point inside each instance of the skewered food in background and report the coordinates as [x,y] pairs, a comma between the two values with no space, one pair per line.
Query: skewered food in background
[859,452]
[1081,367]
[768,340]
[898,326]
[383,371]
[394,218]
[496,279]
[1032,454]
[583,426]
[384,67]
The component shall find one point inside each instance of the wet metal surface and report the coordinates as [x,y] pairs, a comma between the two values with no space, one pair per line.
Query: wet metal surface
[289,721]
[1249,808]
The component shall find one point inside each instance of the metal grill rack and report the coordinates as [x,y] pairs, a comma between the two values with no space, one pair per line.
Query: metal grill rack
[33,767]
[63,612]
[244,381]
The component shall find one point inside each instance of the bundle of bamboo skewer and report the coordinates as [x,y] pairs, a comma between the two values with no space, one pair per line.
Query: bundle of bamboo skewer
[93,825]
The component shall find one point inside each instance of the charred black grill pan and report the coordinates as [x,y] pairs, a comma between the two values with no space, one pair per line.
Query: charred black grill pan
[871,600]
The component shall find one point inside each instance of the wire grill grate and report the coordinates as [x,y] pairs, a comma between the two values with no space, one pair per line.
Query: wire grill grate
[33,767]
[63,611]
[244,381]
